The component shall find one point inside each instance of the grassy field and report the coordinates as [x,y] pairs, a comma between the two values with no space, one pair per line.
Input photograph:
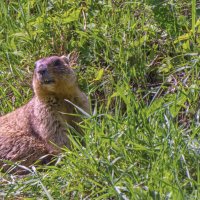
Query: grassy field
[139,63]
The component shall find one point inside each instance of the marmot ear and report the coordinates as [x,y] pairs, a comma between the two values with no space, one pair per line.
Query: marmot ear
[65,59]
[70,59]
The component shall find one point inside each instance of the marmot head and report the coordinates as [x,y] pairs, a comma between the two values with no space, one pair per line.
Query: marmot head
[53,76]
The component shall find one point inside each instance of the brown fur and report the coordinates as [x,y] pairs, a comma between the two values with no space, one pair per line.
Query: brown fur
[31,131]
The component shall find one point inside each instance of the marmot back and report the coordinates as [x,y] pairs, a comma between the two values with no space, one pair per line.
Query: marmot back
[34,129]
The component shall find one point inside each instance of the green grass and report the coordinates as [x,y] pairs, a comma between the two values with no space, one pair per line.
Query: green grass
[139,63]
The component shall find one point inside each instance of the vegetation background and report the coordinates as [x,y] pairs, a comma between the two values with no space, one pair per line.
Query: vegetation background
[139,63]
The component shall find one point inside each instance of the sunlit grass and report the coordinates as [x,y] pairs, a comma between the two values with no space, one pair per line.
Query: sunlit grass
[193,15]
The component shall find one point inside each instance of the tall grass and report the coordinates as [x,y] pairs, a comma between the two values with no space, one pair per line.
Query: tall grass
[140,66]
[193,15]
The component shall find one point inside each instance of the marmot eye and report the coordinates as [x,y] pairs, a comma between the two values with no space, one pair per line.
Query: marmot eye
[57,63]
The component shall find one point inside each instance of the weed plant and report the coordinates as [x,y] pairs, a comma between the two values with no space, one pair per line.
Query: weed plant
[139,63]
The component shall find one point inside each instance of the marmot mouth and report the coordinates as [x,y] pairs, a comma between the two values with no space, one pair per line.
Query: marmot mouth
[48,81]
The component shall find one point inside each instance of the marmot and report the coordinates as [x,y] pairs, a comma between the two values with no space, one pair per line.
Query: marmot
[31,131]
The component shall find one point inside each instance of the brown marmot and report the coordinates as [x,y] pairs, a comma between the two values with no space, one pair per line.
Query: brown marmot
[34,129]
